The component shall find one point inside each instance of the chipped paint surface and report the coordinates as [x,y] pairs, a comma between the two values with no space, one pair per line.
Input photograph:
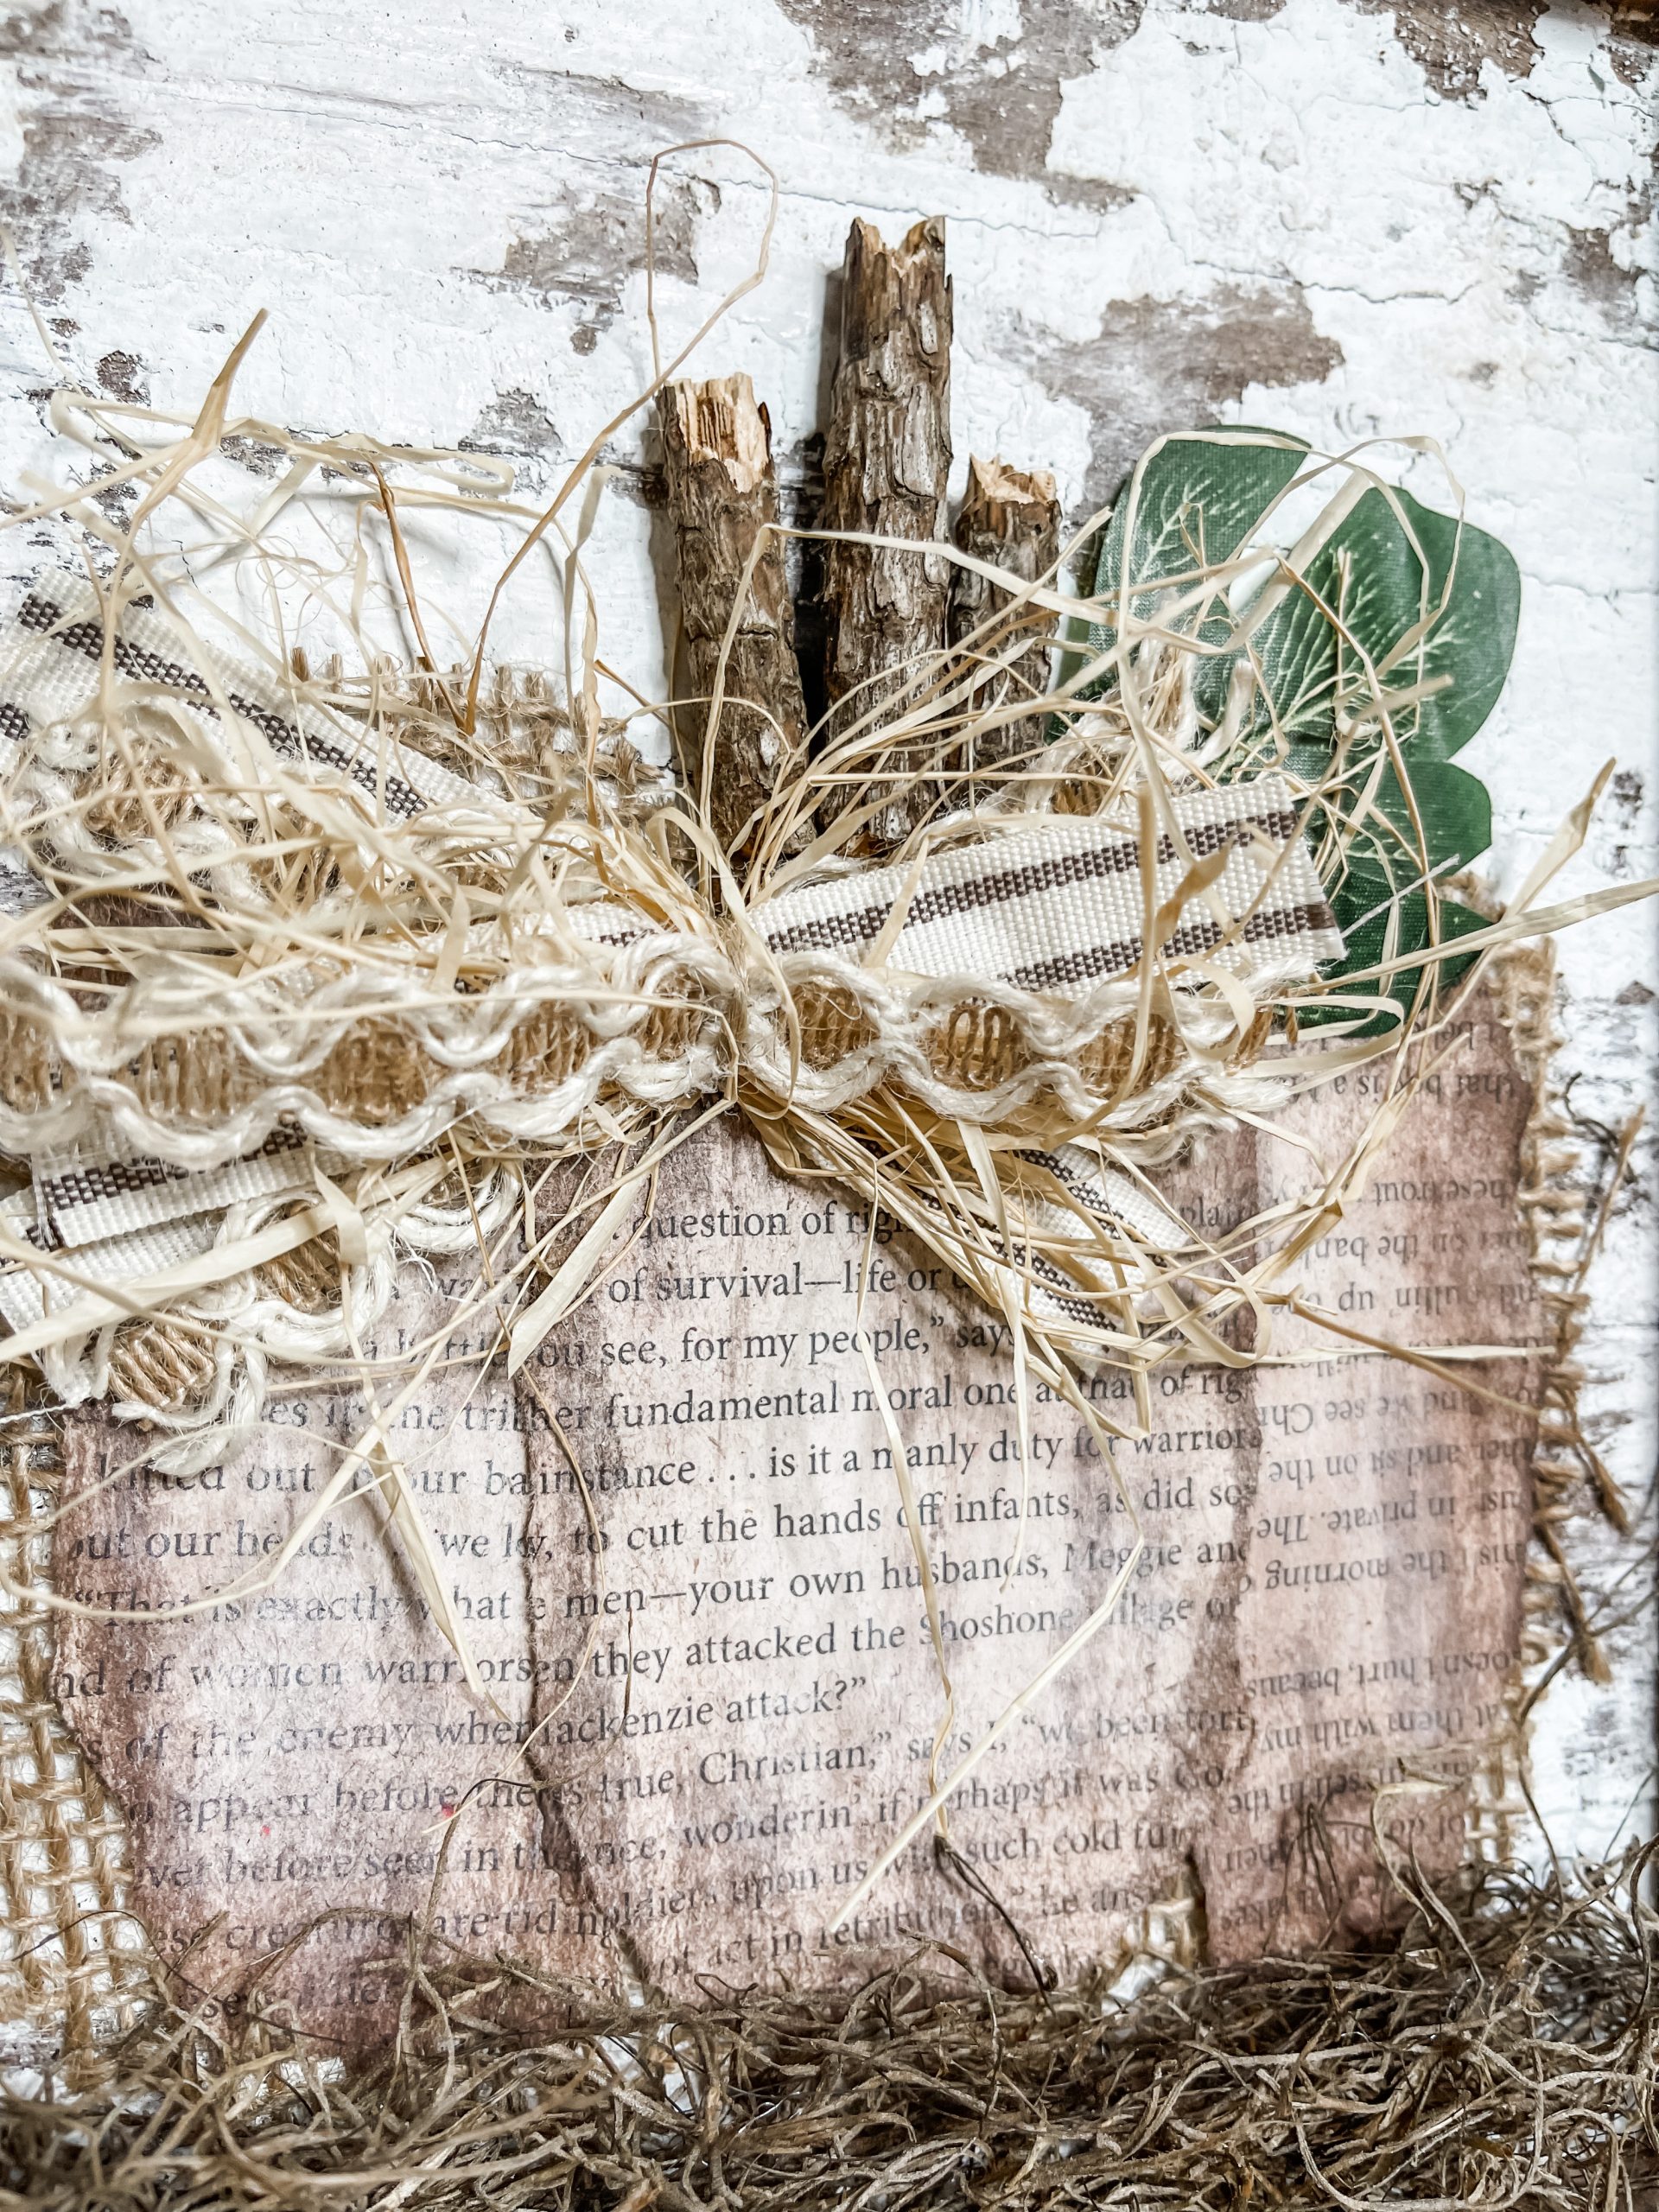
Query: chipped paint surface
[1347,218]
[1154,362]
[1452,45]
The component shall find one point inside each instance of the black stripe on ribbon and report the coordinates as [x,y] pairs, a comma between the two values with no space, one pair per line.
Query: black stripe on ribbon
[87,1186]
[283,737]
[833,932]
[1192,938]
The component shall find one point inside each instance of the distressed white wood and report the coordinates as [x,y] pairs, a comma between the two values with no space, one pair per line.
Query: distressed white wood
[1344,217]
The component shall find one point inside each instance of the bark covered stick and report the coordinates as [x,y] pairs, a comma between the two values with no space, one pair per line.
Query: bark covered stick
[1010,518]
[721,493]
[887,457]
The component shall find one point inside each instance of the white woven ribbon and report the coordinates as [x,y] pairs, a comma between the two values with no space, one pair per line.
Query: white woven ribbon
[52,668]
[1057,906]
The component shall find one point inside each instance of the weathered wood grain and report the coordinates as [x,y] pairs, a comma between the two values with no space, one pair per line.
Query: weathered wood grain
[885,462]
[717,444]
[1011,518]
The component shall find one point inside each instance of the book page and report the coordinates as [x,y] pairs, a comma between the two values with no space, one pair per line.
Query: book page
[689,1569]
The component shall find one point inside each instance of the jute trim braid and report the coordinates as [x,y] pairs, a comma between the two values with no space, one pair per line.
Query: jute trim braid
[27,1066]
[834,1024]
[377,1073]
[188,1073]
[157,1364]
[384,1084]
[196,1077]
[977,1047]
[545,1049]
[180,1371]
[308,1278]
[1104,1063]
[990,978]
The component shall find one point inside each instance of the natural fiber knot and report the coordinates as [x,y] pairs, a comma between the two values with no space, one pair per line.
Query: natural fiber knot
[197,1077]
[1075,797]
[1104,1062]
[297,881]
[156,1364]
[377,1072]
[624,764]
[1091,774]
[482,873]
[27,1063]
[308,1278]
[834,1024]
[545,1049]
[977,1047]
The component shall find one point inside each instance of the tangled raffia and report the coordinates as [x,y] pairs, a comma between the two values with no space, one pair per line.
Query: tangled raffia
[205,840]
[390,944]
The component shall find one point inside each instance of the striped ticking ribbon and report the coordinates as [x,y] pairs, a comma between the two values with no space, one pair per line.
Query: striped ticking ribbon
[1058,907]
[1054,906]
[1107,1194]
[114,1217]
[26,1296]
[86,1194]
[50,666]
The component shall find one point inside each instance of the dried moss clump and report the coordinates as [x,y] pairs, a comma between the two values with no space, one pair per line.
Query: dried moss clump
[1500,2053]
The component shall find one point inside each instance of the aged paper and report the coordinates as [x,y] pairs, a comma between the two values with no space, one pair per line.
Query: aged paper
[713,1692]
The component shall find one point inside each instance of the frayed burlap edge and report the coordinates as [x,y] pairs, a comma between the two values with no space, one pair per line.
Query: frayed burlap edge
[1566,1201]
[72,1965]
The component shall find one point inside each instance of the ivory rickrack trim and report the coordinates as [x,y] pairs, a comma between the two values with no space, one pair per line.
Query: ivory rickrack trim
[266,1019]
[200,1058]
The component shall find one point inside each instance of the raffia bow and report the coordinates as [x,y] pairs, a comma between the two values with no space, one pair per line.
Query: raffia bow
[283,990]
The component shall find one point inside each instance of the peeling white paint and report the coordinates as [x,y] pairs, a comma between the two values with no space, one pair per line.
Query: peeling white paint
[381,180]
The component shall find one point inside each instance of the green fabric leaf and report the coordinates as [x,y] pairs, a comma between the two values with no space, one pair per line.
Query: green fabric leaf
[1194,499]
[1420,600]
[1365,931]
[1394,599]
[1453,821]
[1383,878]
